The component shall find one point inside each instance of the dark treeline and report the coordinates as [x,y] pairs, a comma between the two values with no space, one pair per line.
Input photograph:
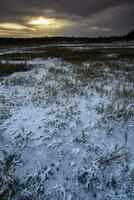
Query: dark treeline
[50,40]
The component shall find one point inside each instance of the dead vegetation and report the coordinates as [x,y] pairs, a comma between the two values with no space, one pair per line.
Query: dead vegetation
[84,104]
[8,68]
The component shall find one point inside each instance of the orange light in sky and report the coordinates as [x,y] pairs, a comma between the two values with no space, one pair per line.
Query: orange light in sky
[44,22]
[12,26]
[41,21]
[35,27]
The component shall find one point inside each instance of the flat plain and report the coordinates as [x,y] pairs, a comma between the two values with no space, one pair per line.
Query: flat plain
[67,122]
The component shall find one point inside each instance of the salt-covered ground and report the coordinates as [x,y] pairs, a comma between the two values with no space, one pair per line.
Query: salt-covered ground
[66,131]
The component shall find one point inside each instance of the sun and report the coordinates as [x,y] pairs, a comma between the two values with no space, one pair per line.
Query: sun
[41,21]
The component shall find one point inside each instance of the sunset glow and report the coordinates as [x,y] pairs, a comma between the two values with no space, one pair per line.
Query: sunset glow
[12,26]
[86,18]
[41,21]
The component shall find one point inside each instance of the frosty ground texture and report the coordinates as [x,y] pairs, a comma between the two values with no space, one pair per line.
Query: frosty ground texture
[66,131]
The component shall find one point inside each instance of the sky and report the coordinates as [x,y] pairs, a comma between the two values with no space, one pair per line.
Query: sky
[90,18]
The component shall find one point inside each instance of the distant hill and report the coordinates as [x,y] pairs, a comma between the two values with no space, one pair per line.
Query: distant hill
[54,40]
[130,35]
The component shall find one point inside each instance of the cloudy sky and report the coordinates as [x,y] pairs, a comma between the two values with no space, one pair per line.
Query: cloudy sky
[38,18]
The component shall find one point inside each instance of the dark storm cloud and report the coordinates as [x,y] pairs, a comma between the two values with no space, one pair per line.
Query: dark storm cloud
[76,7]
[114,15]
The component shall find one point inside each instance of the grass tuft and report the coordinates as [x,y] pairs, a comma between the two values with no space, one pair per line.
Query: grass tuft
[8,68]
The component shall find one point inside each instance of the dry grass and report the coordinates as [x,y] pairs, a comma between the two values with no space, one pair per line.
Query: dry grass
[8,68]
